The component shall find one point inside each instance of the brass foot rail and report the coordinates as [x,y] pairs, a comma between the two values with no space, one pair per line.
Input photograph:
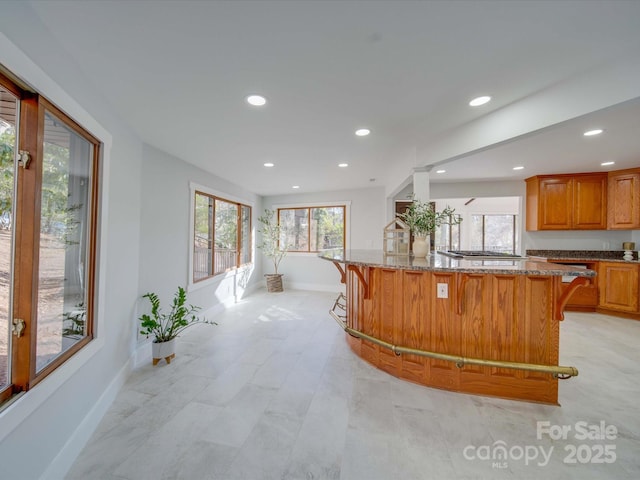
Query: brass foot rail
[559,372]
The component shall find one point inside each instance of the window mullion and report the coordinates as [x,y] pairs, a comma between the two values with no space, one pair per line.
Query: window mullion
[239,233]
[309,220]
[27,227]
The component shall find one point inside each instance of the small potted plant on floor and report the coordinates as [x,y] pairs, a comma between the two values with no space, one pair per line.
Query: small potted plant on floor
[165,327]
[272,248]
[423,220]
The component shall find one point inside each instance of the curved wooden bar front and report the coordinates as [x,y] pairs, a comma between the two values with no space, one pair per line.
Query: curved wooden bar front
[506,310]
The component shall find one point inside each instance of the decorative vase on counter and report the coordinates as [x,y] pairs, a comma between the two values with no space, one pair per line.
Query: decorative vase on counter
[628,248]
[420,246]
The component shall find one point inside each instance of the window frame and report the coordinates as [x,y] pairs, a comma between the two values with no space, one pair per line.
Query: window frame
[27,211]
[195,189]
[346,205]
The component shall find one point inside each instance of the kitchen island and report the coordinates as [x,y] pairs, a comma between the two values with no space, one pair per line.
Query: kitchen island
[488,327]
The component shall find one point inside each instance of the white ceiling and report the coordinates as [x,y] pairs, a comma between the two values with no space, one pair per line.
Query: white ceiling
[177,73]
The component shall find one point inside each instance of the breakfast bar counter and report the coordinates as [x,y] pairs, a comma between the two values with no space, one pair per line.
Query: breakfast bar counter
[488,327]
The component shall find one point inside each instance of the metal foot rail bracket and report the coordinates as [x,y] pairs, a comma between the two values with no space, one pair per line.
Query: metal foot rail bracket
[559,372]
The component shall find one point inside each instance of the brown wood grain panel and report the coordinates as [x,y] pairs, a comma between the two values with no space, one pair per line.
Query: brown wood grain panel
[619,286]
[590,202]
[390,316]
[504,325]
[444,331]
[504,317]
[415,302]
[623,208]
[537,324]
[556,203]
[27,235]
[475,321]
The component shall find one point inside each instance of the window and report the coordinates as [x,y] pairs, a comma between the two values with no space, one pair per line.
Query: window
[48,218]
[311,229]
[494,233]
[447,237]
[222,235]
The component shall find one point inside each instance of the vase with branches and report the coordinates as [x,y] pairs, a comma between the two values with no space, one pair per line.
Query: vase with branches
[423,220]
[272,248]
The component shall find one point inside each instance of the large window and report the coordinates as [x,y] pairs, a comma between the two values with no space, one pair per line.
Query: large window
[494,233]
[48,217]
[222,235]
[312,229]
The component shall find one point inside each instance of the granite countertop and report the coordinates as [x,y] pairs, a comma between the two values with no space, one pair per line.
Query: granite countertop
[592,255]
[443,263]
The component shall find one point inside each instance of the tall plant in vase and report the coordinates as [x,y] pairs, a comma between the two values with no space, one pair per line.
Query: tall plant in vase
[272,248]
[423,220]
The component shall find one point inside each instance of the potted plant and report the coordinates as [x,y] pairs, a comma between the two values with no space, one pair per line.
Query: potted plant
[423,219]
[165,327]
[272,249]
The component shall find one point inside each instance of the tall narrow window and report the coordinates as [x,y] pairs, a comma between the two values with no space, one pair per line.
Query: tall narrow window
[222,235]
[203,238]
[225,236]
[64,218]
[245,235]
[8,116]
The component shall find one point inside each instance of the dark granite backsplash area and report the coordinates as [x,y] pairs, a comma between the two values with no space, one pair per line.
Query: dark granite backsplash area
[582,254]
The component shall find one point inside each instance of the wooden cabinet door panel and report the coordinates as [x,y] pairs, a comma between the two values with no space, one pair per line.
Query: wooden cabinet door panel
[555,204]
[619,286]
[590,202]
[623,211]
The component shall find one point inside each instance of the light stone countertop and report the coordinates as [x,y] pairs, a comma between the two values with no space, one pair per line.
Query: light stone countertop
[443,263]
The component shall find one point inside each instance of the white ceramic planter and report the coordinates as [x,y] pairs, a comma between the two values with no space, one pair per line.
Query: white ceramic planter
[420,246]
[166,350]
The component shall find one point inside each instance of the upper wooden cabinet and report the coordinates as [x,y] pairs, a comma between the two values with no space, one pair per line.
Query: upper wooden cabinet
[623,211]
[567,202]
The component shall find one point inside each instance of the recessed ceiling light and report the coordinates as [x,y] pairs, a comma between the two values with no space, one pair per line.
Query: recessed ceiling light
[590,133]
[363,132]
[518,168]
[296,186]
[256,100]
[343,165]
[440,171]
[476,102]
[606,164]
[269,164]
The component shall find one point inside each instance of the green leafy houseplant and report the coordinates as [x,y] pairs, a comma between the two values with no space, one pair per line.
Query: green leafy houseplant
[423,219]
[167,326]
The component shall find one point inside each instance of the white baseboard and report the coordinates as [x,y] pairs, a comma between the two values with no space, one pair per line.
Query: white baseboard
[61,464]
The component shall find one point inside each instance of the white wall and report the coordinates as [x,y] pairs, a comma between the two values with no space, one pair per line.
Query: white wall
[43,431]
[365,225]
[165,231]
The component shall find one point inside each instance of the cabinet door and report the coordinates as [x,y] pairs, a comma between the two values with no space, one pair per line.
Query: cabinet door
[555,212]
[590,202]
[619,286]
[623,210]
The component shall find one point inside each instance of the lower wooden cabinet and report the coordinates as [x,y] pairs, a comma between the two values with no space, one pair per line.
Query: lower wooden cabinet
[585,298]
[619,286]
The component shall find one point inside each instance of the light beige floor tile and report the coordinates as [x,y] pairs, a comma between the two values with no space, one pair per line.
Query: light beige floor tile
[274,391]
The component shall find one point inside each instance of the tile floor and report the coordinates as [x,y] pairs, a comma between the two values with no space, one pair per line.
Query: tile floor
[273,392]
